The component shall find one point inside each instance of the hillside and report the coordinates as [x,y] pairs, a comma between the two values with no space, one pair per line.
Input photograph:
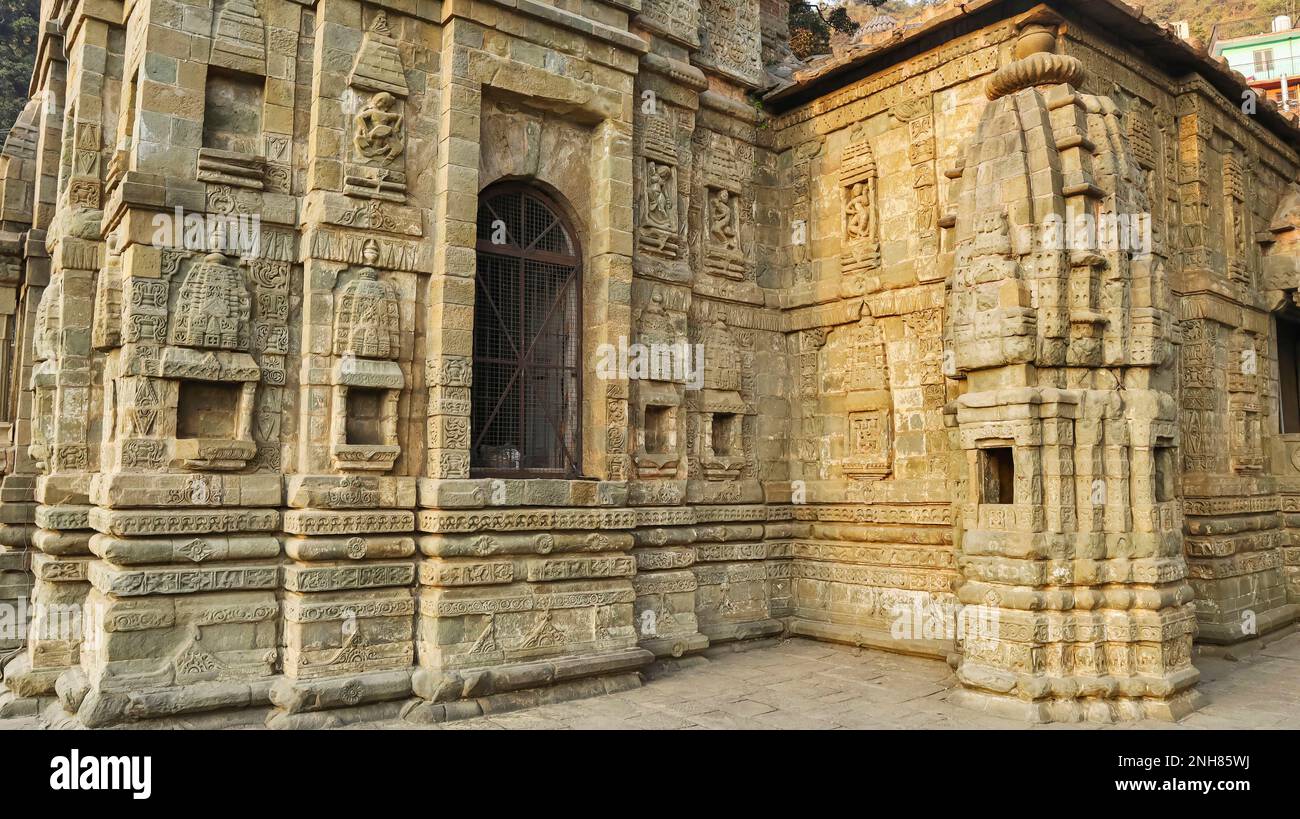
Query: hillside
[1201,15]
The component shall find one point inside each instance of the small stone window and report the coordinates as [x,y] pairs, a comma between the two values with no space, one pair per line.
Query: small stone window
[365,422]
[658,429]
[1163,473]
[232,111]
[997,475]
[207,409]
[724,433]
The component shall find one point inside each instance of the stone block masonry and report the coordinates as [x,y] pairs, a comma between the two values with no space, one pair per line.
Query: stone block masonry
[301,304]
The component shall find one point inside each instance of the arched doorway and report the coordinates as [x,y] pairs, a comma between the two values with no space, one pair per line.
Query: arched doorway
[527,386]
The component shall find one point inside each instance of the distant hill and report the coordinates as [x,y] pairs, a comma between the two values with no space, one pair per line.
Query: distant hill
[1250,16]
[1245,16]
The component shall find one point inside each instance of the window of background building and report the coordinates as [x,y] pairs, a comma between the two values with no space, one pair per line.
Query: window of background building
[1264,61]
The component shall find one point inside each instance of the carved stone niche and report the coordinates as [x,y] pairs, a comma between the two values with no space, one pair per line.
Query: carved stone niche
[44,378]
[214,424]
[658,450]
[723,256]
[1237,219]
[376,98]
[723,194]
[363,432]
[858,180]
[1245,407]
[870,445]
[367,381]
[723,457]
[206,356]
[658,206]
[723,408]
[232,130]
[996,463]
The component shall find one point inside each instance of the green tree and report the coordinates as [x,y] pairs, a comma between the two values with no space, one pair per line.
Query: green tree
[810,27]
[18,28]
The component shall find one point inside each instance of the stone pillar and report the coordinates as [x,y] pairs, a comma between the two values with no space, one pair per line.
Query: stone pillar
[20,487]
[732,170]
[65,404]
[65,378]
[30,675]
[185,506]
[348,605]
[17,471]
[191,324]
[1235,533]
[1076,593]
[652,400]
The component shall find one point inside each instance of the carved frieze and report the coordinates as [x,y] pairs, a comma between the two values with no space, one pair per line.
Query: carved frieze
[731,40]
[366,320]
[212,307]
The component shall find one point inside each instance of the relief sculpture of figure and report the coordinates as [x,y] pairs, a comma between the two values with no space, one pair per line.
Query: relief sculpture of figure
[858,212]
[659,210]
[379,129]
[721,222]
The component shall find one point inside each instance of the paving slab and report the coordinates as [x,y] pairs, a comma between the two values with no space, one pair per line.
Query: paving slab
[800,684]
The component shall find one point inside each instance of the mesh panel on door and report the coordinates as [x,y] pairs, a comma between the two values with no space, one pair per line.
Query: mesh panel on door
[498,220]
[526,389]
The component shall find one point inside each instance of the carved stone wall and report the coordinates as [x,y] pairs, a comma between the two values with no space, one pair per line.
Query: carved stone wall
[938,332]
[836,379]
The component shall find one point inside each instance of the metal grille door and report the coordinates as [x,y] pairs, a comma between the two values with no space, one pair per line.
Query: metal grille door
[527,331]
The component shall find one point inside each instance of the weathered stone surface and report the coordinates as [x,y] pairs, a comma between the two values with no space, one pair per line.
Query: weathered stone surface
[364,364]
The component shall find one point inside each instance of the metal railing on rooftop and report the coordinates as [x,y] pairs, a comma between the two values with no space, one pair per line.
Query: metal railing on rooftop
[1274,69]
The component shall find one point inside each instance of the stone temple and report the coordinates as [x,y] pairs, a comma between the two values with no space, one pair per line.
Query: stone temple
[421,358]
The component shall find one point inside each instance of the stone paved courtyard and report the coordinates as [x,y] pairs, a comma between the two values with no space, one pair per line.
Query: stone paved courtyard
[803,684]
